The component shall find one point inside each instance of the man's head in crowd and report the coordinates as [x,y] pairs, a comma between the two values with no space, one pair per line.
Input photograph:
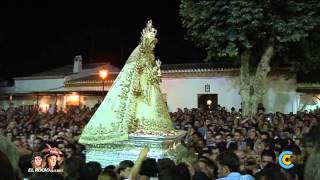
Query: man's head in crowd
[165,164]
[37,144]
[17,142]
[69,150]
[149,168]
[93,169]
[107,175]
[9,135]
[218,138]
[46,137]
[237,135]
[264,136]
[74,167]
[252,134]
[268,157]
[124,168]
[196,124]
[227,162]
[270,174]
[241,155]
[205,166]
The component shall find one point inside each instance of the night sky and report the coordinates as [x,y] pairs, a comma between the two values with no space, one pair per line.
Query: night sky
[39,35]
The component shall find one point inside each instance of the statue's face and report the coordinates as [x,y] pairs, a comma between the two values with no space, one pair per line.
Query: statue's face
[149,43]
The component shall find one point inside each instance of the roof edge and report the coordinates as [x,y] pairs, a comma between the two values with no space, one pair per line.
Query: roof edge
[39,77]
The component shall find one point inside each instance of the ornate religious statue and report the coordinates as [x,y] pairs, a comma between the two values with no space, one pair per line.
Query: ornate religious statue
[134,104]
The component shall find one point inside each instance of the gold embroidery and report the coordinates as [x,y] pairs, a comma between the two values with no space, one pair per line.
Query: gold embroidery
[133,104]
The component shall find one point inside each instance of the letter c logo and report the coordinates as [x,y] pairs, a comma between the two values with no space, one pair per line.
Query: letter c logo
[285,159]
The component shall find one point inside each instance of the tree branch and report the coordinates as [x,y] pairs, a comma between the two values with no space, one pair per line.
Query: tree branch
[244,70]
[245,82]
[263,69]
[260,77]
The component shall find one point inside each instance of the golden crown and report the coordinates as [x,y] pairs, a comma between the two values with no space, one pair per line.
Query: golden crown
[149,31]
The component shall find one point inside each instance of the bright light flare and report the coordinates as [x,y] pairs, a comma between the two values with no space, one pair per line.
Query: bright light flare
[103,74]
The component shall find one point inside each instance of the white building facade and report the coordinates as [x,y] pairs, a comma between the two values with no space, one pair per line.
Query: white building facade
[183,86]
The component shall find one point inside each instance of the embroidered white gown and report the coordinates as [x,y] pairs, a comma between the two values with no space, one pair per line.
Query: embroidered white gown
[134,103]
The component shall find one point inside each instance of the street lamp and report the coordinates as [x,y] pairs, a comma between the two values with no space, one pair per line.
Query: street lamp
[103,75]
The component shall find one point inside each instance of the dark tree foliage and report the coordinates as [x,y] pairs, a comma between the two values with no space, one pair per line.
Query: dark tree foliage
[227,28]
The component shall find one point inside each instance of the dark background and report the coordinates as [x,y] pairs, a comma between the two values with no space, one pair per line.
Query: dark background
[40,35]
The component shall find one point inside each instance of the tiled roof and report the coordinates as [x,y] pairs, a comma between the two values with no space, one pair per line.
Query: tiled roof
[97,77]
[198,67]
[68,70]
[92,79]
[309,89]
[165,68]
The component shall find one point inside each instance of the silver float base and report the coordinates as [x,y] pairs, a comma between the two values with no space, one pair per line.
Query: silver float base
[113,154]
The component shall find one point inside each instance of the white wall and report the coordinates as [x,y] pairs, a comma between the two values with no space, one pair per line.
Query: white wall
[183,92]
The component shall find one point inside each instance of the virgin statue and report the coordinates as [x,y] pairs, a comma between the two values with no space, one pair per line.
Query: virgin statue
[134,104]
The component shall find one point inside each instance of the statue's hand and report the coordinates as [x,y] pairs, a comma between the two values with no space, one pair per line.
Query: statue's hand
[155,70]
[158,63]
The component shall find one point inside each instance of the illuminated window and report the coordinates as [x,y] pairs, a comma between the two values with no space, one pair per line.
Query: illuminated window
[73,100]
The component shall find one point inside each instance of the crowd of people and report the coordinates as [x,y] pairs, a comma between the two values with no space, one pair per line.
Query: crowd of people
[44,145]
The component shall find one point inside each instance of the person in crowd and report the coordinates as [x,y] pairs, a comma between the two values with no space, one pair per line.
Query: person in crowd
[93,170]
[270,174]
[6,170]
[124,169]
[165,164]
[267,157]
[38,145]
[229,167]
[243,159]
[69,150]
[312,168]
[148,170]
[110,167]
[107,175]
[74,168]
[238,138]
[10,152]
[203,170]
[256,140]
